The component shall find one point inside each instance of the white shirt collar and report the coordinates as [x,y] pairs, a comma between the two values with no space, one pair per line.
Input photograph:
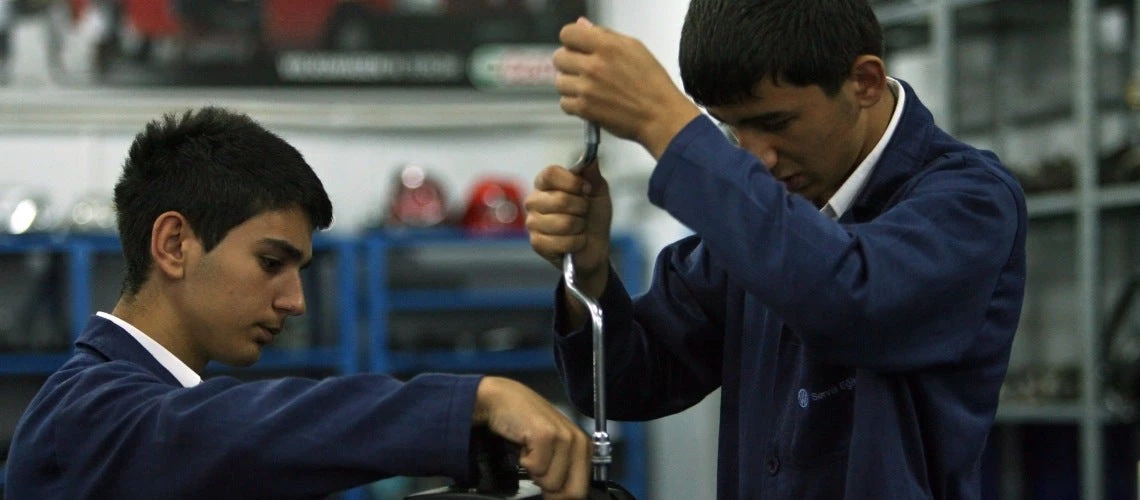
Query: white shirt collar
[845,196]
[185,376]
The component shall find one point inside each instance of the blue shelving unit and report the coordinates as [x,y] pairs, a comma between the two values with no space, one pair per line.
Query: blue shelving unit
[77,253]
[382,300]
[442,300]
[80,252]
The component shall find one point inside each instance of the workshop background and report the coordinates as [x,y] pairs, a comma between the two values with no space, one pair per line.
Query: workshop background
[426,120]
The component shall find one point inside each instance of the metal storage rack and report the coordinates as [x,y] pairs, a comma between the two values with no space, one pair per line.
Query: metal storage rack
[80,251]
[1085,203]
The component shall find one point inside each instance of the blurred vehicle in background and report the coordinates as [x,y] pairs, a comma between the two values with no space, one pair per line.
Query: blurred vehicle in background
[233,31]
[255,35]
[282,24]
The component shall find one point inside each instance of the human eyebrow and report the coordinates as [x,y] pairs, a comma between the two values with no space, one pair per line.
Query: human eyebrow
[291,252]
[762,121]
[766,119]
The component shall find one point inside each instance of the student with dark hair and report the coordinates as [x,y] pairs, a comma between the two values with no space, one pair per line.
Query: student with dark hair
[855,276]
[216,217]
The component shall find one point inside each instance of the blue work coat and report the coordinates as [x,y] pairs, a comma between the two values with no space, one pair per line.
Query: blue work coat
[113,423]
[858,358]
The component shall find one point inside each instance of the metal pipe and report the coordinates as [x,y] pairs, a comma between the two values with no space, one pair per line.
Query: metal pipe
[1088,243]
[942,34]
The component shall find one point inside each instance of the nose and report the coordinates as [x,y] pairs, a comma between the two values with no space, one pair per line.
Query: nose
[760,145]
[291,298]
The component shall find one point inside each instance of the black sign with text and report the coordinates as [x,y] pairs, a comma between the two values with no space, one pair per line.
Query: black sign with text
[488,44]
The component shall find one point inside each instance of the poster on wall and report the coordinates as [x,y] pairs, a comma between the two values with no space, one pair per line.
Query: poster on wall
[501,45]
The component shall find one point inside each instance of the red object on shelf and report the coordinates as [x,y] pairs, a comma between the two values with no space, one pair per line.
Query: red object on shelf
[495,205]
[417,199]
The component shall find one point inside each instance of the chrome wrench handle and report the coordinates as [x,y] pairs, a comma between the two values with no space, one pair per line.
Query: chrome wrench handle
[601,437]
[593,137]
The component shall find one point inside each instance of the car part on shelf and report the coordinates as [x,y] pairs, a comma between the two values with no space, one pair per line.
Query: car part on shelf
[417,199]
[91,213]
[495,205]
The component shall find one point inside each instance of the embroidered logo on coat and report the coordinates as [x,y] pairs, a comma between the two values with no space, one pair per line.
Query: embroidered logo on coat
[806,398]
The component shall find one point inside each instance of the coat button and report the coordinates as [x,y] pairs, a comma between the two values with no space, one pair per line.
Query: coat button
[773,466]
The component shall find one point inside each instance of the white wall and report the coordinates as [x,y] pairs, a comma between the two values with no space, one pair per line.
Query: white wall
[356,167]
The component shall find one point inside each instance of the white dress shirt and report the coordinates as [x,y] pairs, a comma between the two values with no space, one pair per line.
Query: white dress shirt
[845,196]
[185,376]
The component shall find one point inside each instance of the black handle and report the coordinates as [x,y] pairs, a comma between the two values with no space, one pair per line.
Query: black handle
[495,474]
[493,463]
[609,490]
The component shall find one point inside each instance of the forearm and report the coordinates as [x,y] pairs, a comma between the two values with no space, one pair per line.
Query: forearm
[282,438]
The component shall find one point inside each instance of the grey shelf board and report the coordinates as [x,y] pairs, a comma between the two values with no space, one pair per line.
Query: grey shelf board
[1119,196]
[114,109]
[1047,413]
[912,11]
[1053,412]
[1065,202]
[902,11]
[1058,112]
[1050,204]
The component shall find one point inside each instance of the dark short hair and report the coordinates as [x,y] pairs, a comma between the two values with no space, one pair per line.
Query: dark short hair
[729,46]
[216,167]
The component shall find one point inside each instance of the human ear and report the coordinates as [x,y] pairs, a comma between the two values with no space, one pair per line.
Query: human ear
[868,79]
[170,237]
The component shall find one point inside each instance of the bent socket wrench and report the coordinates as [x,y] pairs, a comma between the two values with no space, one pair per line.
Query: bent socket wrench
[602,446]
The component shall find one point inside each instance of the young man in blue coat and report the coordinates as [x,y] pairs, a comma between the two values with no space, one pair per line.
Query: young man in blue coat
[856,274]
[216,217]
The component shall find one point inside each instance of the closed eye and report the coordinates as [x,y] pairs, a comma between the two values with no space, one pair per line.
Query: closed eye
[769,126]
[768,123]
[271,265]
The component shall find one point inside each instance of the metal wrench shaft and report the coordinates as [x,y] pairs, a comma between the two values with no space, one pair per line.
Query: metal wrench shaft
[602,446]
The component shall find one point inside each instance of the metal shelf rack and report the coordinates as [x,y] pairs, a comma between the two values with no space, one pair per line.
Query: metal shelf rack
[81,250]
[1085,204]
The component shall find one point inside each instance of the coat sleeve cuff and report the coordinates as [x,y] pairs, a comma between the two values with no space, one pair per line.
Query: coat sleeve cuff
[674,156]
[456,444]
